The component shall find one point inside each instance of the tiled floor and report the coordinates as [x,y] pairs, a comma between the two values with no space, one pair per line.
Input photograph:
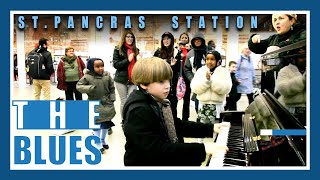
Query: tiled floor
[113,157]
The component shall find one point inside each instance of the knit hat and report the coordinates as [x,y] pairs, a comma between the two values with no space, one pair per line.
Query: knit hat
[216,55]
[90,64]
[169,35]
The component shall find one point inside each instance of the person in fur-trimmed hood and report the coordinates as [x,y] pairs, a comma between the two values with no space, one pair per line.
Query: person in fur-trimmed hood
[291,84]
[99,85]
[211,83]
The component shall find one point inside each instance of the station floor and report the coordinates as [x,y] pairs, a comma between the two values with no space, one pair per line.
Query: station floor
[113,157]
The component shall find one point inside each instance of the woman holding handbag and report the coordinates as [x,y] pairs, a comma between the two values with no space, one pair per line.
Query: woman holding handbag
[182,54]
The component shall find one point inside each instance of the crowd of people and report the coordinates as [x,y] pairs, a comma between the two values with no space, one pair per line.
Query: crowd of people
[148,94]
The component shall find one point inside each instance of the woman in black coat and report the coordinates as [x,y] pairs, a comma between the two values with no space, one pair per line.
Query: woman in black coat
[124,58]
[289,31]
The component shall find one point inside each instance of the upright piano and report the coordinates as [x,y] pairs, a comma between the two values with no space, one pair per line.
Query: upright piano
[247,146]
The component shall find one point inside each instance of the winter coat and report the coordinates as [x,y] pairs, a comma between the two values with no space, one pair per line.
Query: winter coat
[189,68]
[101,88]
[291,85]
[61,73]
[45,75]
[268,78]
[297,34]
[147,141]
[121,63]
[235,83]
[175,68]
[211,91]
[246,74]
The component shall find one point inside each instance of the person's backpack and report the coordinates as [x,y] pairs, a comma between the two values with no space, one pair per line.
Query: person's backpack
[181,85]
[35,64]
[241,60]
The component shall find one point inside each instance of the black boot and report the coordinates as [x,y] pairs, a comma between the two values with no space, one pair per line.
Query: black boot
[106,146]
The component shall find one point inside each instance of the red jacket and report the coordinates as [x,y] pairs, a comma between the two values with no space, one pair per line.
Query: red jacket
[61,76]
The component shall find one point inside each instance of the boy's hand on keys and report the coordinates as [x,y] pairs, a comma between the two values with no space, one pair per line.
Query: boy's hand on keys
[215,149]
[217,126]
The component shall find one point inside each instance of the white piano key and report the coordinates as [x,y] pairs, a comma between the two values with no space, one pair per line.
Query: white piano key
[222,139]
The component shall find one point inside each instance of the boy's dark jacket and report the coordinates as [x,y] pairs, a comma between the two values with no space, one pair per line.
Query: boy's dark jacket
[235,83]
[147,142]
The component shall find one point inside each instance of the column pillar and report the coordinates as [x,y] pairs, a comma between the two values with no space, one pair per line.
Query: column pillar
[233,40]
[21,59]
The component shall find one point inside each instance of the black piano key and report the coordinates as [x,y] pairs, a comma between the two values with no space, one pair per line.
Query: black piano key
[237,144]
[235,156]
[234,162]
[237,153]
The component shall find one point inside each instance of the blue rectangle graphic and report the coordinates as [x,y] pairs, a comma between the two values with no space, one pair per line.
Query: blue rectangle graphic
[56,114]
[289,132]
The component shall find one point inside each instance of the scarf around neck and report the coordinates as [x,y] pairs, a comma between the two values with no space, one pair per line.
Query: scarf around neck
[165,109]
[131,64]
[70,60]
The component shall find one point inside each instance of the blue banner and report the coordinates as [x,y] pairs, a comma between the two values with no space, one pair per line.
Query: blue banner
[56,114]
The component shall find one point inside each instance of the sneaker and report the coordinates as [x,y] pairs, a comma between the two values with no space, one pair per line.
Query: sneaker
[106,146]
[110,131]
[102,150]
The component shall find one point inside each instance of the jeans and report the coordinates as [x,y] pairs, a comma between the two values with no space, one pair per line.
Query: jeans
[124,91]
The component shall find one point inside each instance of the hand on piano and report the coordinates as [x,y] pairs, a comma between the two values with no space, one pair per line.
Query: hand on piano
[217,126]
[215,149]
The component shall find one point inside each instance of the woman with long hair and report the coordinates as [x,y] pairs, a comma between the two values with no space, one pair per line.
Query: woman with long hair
[168,53]
[124,58]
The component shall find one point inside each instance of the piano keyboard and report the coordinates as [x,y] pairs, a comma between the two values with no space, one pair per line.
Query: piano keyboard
[232,137]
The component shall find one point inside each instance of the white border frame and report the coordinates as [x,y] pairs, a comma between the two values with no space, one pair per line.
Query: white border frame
[189,12]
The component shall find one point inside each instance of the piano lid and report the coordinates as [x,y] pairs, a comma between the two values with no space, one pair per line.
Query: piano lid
[280,118]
